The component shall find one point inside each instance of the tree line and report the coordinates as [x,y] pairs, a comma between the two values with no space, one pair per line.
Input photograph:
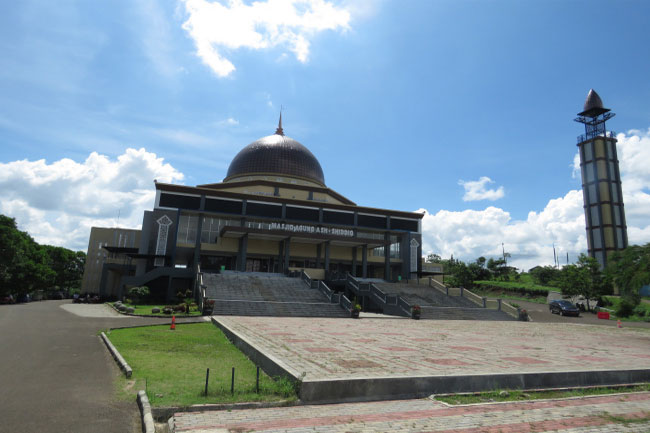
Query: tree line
[26,266]
[628,270]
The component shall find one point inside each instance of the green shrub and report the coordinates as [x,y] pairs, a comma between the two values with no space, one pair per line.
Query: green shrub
[640,311]
[625,308]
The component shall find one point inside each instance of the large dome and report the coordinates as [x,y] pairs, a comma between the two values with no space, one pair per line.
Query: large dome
[276,155]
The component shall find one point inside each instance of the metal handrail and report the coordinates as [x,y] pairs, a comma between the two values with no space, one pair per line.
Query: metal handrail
[345,302]
[510,310]
[327,291]
[473,297]
[378,293]
[404,305]
[585,137]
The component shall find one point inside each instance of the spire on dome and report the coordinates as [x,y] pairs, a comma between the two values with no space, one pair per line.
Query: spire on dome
[279,131]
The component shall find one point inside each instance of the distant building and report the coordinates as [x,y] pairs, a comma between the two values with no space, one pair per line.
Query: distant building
[272,213]
[601,182]
[104,267]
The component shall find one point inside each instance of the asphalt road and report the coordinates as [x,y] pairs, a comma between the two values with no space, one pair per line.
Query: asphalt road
[55,373]
[541,313]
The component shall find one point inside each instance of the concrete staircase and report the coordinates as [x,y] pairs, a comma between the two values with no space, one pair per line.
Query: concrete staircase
[458,313]
[424,295]
[265,294]
[436,305]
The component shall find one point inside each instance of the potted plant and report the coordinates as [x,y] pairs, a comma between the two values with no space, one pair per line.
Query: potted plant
[415,312]
[208,307]
[354,312]
[523,315]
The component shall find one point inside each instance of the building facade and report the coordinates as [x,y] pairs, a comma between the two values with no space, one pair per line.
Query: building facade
[601,182]
[272,213]
[105,259]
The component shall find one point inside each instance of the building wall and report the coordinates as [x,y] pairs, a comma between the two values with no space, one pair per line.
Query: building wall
[97,255]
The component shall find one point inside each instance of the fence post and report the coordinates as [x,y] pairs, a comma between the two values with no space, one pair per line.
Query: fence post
[207,376]
[499,302]
[429,281]
[484,302]
[232,382]
[257,381]
[447,290]
[462,289]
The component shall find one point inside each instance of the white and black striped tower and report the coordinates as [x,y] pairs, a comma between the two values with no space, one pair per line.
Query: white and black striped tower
[601,182]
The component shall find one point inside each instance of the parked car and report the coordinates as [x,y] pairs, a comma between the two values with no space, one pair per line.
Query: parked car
[7,300]
[563,308]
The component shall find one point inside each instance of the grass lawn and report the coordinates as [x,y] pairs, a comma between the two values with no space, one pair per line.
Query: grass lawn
[506,295]
[146,310]
[518,395]
[524,285]
[523,290]
[171,366]
[641,312]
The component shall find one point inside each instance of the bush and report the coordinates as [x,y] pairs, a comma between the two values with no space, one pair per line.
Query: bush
[138,293]
[625,308]
[640,311]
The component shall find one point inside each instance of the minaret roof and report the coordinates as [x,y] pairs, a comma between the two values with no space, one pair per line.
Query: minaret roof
[593,105]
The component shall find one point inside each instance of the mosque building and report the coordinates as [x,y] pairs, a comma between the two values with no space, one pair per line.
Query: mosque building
[272,213]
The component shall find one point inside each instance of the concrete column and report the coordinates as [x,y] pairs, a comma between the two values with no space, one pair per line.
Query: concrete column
[287,253]
[354,261]
[364,261]
[197,244]
[387,256]
[170,293]
[318,253]
[280,256]
[243,247]
[327,255]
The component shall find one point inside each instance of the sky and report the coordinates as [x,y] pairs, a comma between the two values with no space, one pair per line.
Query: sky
[459,109]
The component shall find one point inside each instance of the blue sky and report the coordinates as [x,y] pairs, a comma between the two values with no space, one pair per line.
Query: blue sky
[407,105]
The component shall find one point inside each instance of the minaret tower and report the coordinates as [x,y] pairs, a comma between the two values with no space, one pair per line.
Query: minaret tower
[601,182]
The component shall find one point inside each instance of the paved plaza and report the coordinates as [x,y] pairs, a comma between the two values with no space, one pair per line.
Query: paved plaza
[327,349]
[602,414]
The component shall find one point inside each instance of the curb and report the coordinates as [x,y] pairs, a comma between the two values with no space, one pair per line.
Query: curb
[118,357]
[145,411]
[163,414]
[169,316]
[157,324]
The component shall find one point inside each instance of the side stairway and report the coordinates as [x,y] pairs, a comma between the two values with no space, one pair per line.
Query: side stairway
[264,294]
[398,299]
[458,313]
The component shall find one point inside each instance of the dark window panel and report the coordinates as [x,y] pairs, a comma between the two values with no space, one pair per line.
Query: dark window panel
[263,210]
[298,213]
[338,217]
[180,201]
[376,222]
[398,224]
[226,206]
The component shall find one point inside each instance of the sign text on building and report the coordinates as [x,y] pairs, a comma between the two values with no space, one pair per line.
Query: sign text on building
[303,228]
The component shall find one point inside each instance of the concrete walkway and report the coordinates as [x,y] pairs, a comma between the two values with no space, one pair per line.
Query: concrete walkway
[604,414]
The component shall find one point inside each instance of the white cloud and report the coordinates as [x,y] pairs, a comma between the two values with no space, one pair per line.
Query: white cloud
[228,122]
[470,234]
[57,203]
[216,27]
[475,190]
